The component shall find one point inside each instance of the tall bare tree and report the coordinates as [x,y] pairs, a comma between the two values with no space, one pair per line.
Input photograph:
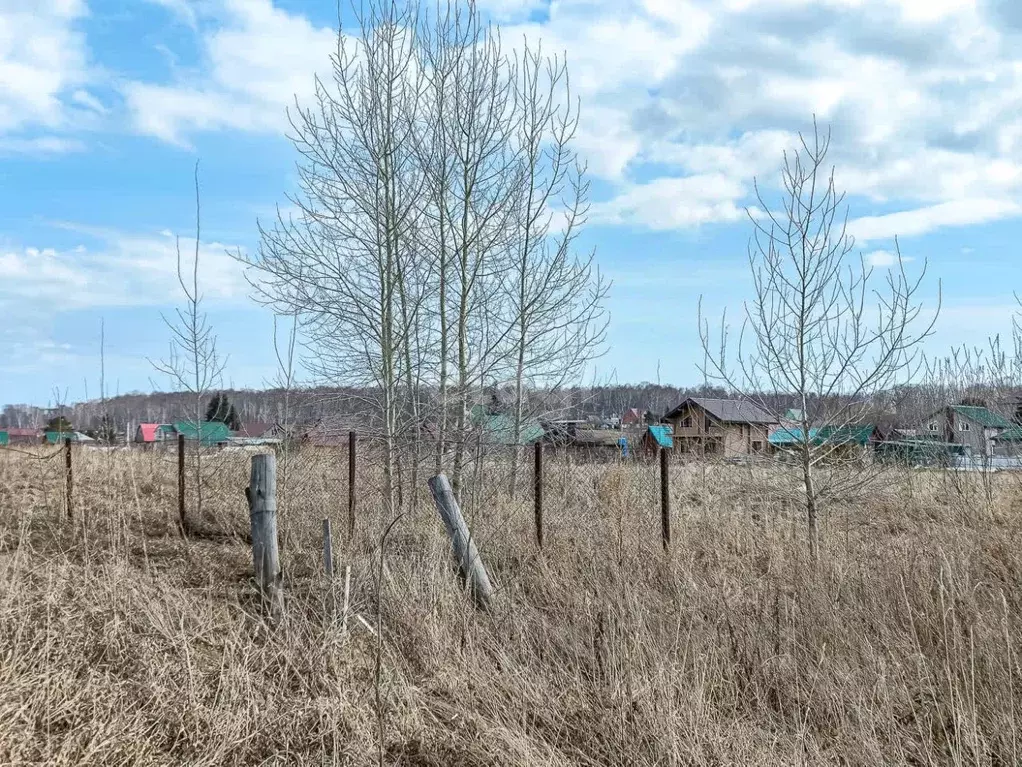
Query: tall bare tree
[555,300]
[337,263]
[421,260]
[193,363]
[818,327]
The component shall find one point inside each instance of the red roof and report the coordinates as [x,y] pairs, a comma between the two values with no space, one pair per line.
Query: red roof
[633,415]
[22,432]
[148,431]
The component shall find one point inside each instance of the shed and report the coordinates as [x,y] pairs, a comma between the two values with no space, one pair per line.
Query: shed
[153,432]
[5,438]
[659,436]
[207,433]
[20,436]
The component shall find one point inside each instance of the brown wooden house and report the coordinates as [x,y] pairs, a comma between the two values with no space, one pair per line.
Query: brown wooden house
[719,428]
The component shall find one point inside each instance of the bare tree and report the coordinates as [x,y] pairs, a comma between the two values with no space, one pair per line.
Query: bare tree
[337,263]
[555,301]
[818,327]
[421,261]
[193,363]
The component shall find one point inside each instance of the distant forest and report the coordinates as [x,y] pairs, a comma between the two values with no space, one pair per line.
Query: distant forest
[324,404]
[350,405]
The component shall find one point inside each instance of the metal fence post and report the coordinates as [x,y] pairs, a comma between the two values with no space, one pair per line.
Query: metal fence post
[68,477]
[665,499]
[352,438]
[181,480]
[538,493]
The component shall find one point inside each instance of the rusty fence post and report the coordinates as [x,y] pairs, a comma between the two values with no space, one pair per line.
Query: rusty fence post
[665,498]
[68,477]
[181,480]
[538,493]
[352,439]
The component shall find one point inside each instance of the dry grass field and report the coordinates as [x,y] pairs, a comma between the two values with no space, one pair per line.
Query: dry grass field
[123,643]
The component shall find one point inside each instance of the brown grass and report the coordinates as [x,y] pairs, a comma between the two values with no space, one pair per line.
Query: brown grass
[121,643]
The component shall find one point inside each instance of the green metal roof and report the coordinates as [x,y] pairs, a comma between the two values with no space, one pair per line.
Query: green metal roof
[1014,434]
[207,433]
[785,437]
[499,429]
[845,435]
[824,435]
[662,434]
[983,416]
[58,437]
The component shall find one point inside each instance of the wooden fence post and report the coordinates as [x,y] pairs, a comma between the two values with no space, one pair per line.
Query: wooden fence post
[538,493]
[352,438]
[328,549]
[262,506]
[181,481]
[465,552]
[68,477]
[665,499]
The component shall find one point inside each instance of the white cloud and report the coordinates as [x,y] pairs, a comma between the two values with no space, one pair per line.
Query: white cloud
[923,98]
[673,203]
[883,259]
[128,270]
[257,59]
[922,220]
[43,60]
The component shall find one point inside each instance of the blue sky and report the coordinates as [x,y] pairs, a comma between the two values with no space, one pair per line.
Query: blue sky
[107,105]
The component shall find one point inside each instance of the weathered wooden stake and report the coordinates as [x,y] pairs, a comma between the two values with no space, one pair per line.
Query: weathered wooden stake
[181,481]
[262,506]
[351,484]
[465,552]
[68,476]
[538,493]
[328,549]
[665,499]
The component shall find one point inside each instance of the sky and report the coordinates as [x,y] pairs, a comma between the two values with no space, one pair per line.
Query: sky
[106,105]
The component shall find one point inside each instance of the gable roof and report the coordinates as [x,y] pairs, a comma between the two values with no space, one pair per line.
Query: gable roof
[661,433]
[255,429]
[824,435]
[1014,434]
[987,418]
[207,432]
[727,410]
[150,431]
[633,415]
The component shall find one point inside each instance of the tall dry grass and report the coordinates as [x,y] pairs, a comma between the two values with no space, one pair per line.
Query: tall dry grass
[122,643]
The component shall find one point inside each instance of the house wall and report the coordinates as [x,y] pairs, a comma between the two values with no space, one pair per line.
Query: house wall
[949,427]
[730,439]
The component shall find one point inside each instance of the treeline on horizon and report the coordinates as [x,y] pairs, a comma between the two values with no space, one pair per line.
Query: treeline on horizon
[903,406]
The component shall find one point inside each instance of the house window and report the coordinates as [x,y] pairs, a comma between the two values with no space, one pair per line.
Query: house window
[757,447]
[685,423]
[934,427]
[963,426]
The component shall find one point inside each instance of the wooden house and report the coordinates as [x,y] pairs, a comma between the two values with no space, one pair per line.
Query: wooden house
[719,428]
[975,428]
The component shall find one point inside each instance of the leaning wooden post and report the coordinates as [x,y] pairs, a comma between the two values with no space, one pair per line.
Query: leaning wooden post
[665,499]
[465,552]
[181,481]
[351,483]
[68,477]
[538,493]
[262,507]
